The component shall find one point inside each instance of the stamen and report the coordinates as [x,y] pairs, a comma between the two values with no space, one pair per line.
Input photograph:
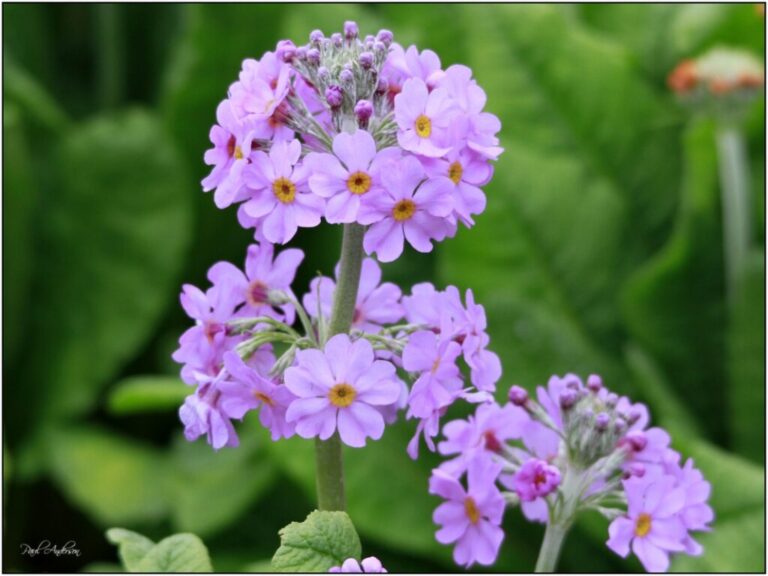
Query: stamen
[342,395]
[455,172]
[470,507]
[404,210]
[423,126]
[284,190]
[643,525]
[359,183]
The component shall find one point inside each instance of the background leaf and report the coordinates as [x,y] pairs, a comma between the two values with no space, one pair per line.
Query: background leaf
[177,553]
[131,547]
[139,394]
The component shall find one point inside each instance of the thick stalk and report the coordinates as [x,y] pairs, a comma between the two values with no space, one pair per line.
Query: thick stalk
[550,547]
[734,186]
[330,465]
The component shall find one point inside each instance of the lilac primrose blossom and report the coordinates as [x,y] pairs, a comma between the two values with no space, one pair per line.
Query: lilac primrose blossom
[370,565]
[423,118]
[405,212]
[340,388]
[349,176]
[280,193]
[470,518]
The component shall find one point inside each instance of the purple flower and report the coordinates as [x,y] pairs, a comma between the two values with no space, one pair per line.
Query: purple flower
[481,435]
[263,273]
[470,518]
[201,414]
[651,525]
[549,397]
[370,565]
[405,211]
[439,382]
[429,427]
[232,142]
[340,388]
[697,513]
[279,192]
[423,118]
[351,176]
[470,323]
[249,390]
[535,479]
[479,128]
[201,346]
[460,173]
[377,304]
[402,65]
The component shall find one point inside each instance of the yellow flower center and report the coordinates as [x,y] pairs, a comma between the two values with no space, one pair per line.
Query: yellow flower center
[284,190]
[643,525]
[342,395]
[423,126]
[238,153]
[471,509]
[404,210]
[359,183]
[455,172]
[264,398]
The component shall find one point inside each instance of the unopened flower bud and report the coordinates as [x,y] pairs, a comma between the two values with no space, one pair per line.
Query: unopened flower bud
[366,60]
[363,112]
[334,95]
[620,426]
[347,78]
[285,51]
[337,40]
[611,400]
[385,37]
[518,396]
[633,416]
[601,421]
[350,30]
[313,56]
[636,469]
[379,47]
[382,85]
[316,37]
[301,53]
[636,440]
[594,383]
[568,398]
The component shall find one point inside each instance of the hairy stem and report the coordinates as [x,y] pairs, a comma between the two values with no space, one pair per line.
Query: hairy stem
[330,465]
[550,547]
[734,186]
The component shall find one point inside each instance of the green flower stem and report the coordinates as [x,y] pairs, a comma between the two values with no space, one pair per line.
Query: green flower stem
[734,186]
[330,464]
[550,548]
[110,54]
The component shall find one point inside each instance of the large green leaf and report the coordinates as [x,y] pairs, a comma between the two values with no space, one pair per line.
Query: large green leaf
[573,200]
[177,553]
[131,546]
[139,394]
[114,234]
[674,305]
[746,363]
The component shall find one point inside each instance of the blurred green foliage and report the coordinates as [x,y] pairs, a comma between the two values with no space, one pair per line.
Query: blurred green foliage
[600,251]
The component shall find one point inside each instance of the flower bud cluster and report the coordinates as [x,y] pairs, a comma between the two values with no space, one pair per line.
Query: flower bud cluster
[575,447]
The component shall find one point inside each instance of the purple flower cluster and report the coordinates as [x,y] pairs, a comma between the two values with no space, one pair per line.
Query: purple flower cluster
[578,447]
[358,130]
[322,384]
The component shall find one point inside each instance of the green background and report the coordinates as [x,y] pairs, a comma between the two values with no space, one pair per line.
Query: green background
[600,251]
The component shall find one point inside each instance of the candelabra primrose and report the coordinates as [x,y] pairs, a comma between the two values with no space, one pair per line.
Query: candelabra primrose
[365,133]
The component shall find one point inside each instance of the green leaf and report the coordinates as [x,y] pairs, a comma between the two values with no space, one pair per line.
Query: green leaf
[139,394]
[38,105]
[323,540]
[131,547]
[112,479]
[21,196]
[674,305]
[211,490]
[114,234]
[746,363]
[177,553]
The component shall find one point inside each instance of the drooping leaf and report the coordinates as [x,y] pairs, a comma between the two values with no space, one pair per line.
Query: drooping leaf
[131,547]
[323,540]
[139,394]
[177,553]
[114,480]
